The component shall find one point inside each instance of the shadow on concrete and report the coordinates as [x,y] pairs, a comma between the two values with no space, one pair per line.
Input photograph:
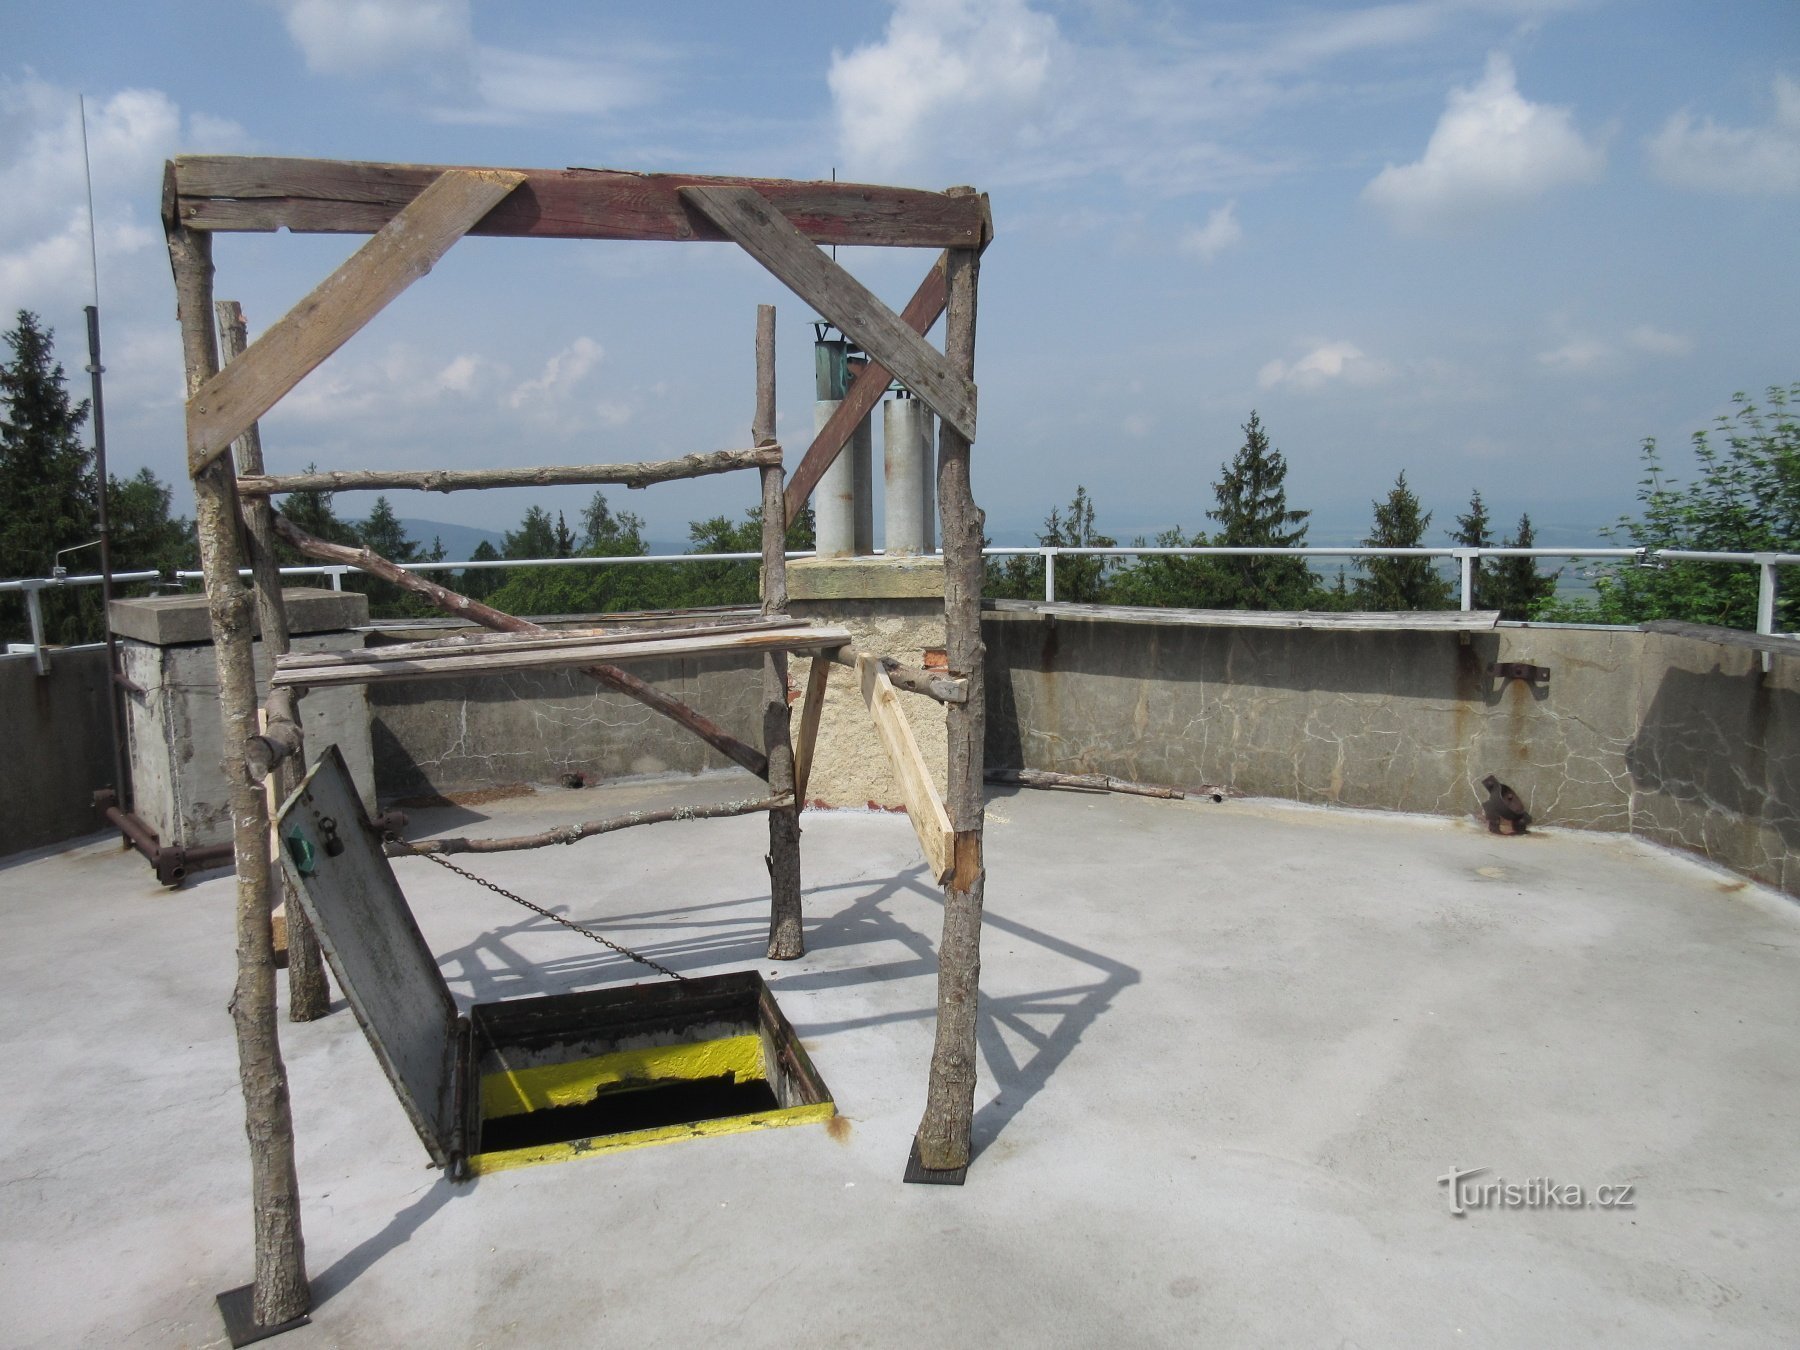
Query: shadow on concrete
[344,1271]
[1049,1022]
[1723,744]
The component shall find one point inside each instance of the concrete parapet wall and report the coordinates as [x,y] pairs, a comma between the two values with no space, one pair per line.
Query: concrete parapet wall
[1673,733]
[58,751]
[447,736]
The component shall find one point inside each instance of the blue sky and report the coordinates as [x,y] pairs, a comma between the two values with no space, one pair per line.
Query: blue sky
[1493,243]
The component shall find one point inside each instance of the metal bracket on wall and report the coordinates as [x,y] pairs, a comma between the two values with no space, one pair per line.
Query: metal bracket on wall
[1520,670]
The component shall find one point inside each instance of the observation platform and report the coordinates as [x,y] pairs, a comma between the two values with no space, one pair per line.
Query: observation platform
[1228,1052]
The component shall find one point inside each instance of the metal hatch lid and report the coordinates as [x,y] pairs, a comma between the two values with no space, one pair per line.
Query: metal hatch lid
[334,860]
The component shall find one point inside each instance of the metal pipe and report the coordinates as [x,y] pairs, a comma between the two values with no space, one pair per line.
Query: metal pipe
[121,769]
[174,864]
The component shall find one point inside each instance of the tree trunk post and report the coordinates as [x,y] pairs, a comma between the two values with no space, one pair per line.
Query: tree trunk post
[942,1144]
[309,994]
[787,940]
[279,1292]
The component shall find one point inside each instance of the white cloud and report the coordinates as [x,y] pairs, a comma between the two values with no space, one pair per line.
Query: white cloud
[561,373]
[355,37]
[1655,342]
[1586,354]
[1579,356]
[942,64]
[1327,363]
[1493,148]
[1759,160]
[518,88]
[44,252]
[1220,232]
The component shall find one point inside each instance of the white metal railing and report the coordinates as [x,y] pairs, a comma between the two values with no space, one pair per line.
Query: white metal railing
[34,587]
[1465,558]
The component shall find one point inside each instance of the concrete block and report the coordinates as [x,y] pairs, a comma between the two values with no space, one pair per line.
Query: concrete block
[169,620]
[176,738]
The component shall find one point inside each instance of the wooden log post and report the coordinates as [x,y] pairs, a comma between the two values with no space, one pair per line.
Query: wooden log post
[787,938]
[942,1143]
[309,993]
[279,1290]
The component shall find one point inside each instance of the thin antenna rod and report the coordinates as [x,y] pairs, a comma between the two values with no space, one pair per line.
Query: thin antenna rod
[87,170]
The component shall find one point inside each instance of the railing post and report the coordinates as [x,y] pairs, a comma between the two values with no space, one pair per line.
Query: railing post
[337,578]
[1466,557]
[35,611]
[1765,601]
[1049,574]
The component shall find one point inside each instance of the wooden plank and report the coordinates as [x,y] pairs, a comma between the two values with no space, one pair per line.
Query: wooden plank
[220,192]
[585,639]
[475,662]
[404,250]
[865,391]
[924,806]
[1439,620]
[812,703]
[767,236]
[637,475]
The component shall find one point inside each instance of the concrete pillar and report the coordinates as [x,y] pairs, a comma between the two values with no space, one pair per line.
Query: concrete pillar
[907,459]
[834,500]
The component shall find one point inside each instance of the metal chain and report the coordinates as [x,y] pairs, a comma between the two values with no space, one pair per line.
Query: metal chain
[536,909]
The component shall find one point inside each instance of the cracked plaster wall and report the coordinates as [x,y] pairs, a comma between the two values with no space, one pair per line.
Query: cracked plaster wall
[1673,733]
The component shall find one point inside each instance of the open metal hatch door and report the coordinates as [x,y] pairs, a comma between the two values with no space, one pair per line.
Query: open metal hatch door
[344,883]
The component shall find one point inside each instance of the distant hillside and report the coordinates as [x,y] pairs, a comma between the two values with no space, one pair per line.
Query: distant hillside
[459,540]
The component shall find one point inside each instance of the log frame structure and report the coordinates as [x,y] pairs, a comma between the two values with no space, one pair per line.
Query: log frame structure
[413,215]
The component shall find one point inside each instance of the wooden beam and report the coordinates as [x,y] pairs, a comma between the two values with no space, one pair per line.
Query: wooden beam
[772,240]
[405,250]
[924,807]
[220,192]
[502,643]
[865,391]
[812,703]
[469,662]
[637,475]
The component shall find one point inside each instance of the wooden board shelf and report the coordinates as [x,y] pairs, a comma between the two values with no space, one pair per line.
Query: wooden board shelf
[500,653]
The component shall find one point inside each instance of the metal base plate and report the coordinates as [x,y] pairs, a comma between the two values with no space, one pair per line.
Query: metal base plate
[919,1174]
[238,1308]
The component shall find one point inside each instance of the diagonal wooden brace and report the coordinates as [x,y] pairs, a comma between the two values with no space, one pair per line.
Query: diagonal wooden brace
[404,250]
[767,235]
[871,382]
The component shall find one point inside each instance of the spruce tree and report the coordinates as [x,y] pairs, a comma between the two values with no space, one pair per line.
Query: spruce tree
[1473,530]
[1401,583]
[1518,588]
[1252,512]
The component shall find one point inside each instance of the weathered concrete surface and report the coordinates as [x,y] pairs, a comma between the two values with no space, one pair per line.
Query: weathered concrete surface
[912,577]
[445,736]
[1676,731]
[177,742]
[58,748]
[1226,1053]
[849,766]
[169,620]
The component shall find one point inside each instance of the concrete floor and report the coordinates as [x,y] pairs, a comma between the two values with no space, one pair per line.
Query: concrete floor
[1228,1052]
